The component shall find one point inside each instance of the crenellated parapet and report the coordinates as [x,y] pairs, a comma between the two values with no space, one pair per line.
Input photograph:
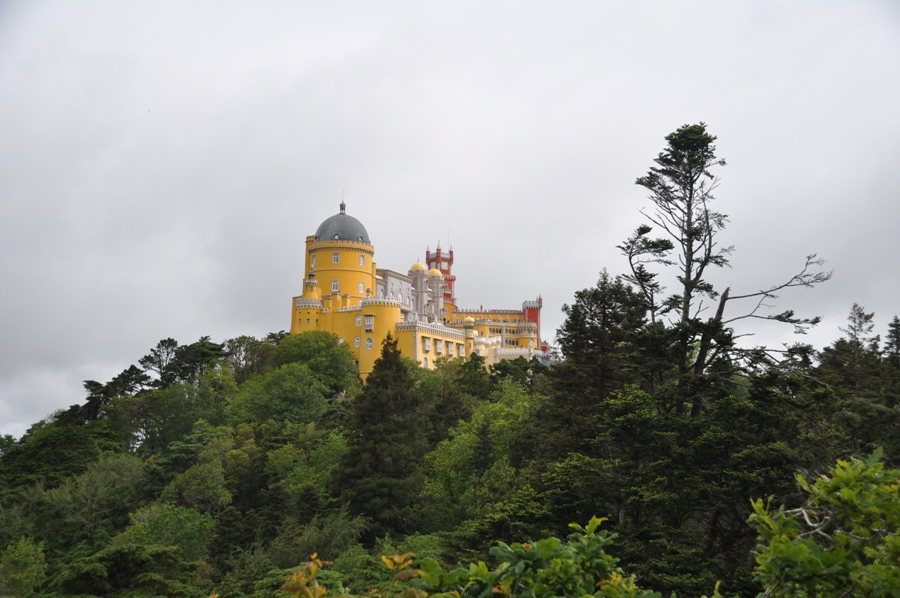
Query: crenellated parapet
[379,301]
[436,330]
[300,302]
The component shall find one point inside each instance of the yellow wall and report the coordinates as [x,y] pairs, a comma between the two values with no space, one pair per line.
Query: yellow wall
[427,343]
[349,272]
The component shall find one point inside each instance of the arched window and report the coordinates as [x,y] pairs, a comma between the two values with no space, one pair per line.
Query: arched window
[356,342]
[362,259]
[335,258]
[425,361]
[314,260]
[340,341]
[358,323]
[362,288]
[368,344]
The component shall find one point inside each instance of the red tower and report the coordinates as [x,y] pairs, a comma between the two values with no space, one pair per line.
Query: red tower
[443,262]
[532,313]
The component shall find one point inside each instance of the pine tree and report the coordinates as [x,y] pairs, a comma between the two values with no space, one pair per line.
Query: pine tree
[381,474]
[892,343]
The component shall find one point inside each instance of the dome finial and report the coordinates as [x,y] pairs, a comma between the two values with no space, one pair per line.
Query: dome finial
[343,207]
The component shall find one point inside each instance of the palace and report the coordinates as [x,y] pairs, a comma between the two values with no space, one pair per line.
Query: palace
[347,294]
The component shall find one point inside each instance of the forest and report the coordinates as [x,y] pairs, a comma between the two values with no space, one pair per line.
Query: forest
[660,453]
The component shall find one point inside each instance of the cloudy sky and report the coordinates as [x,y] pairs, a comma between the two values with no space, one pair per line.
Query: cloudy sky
[162,162]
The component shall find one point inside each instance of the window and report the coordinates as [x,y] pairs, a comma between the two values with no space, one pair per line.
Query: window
[438,346]
[340,341]
[307,321]
[427,342]
[462,351]
[335,286]
[531,342]
[335,258]
[369,344]
[450,349]
[370,323]
[458,320]
[426,363]
[314,260]
[358,323]
[356,342]
[362,259]
[362,288]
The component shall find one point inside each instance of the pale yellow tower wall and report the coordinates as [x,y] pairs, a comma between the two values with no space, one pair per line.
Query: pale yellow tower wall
[349,264]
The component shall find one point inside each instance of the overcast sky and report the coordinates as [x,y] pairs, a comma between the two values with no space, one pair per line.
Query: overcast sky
[161,163]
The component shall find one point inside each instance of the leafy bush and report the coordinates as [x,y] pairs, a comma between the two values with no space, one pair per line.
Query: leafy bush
[843,542]
[169,525]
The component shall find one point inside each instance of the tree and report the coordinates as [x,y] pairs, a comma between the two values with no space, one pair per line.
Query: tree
[160,361]
[476,466]
[843,542]
[128,570]
[854,362]
[681,188]
[202,486]
[381,473]
[601,341]
[892,342]
[172,362]
[443,405]
[22,567]
[331,362]
[248,356]
[290,393]
[169,525]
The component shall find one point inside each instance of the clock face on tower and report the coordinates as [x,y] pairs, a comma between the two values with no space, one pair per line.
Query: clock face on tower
[444,265]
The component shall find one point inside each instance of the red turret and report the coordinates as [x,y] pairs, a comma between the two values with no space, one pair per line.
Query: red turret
[443,261]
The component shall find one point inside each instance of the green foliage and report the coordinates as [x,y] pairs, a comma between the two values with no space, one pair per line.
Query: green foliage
[604,343]
[172,363]
[328,536]
[844,541]
[380,475]
[51,452]
[331,363]
[443,404]
[854,362]
[202,486]
[473,468]
[98,500]
[316,466]
[291,393]
[22,567]
[543,569]
[892,342]
[169,525]
[472,377]
[131,570]
[248,356]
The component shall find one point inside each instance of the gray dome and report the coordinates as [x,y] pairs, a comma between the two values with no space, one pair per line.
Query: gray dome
[342,227]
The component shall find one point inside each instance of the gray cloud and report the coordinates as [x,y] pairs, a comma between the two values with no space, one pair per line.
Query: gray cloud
[162,163]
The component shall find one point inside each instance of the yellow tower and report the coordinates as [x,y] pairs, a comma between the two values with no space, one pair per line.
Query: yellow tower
[340,256]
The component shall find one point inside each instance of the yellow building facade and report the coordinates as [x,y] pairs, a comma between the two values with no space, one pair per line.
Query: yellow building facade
[345,293]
